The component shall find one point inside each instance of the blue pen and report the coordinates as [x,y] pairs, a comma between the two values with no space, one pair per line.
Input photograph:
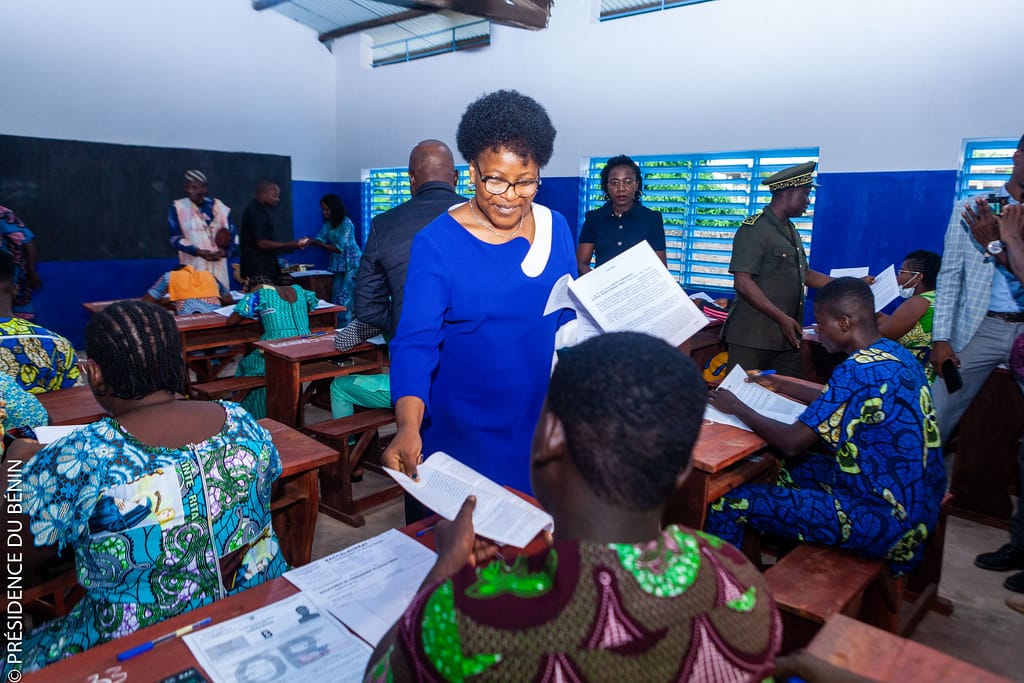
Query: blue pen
[146,647]
[424,531]
[765,373]
[316,334]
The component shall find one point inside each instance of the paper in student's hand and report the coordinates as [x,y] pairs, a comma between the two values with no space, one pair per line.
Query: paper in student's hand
[858,272]
[443,485]
[885,288]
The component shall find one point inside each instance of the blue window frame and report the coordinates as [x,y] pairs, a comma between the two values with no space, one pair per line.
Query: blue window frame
[703,198]
[987,165]
[386,188]
[617,9]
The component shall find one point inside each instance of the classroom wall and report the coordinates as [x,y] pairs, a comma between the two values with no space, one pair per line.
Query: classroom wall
[188,73]
[886,90]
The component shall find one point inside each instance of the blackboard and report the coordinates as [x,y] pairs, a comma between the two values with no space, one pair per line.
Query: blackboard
[91,201]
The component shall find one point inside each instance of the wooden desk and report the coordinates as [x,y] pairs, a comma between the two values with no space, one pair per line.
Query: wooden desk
[985,466]
[320,282]
[724,457]
[167,658]
[291,362]
[881,656]
[73,406]
[295,501]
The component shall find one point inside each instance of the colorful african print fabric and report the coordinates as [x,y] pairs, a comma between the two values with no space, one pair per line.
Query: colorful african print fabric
[880,490]
[22,408]
[280,319]
[918,340]
[14,235]
[683,607]
[40,360]
[156,531]
[343,264]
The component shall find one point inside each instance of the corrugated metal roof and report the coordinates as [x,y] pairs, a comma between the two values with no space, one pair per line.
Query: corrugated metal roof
[325,16]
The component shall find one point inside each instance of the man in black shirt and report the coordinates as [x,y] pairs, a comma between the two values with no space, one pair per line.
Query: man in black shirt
[259,245]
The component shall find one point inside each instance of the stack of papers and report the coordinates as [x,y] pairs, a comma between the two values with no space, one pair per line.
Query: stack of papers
[289,640]
[369,585]
[505,518]
[757,398]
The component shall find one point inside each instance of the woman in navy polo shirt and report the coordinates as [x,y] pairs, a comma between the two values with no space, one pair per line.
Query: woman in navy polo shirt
[623,221]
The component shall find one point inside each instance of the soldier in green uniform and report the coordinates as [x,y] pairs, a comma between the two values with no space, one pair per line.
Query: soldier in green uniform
[769,265]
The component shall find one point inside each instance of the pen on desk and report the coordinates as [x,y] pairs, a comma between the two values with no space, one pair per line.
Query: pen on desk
[317,334]
[425,530]
[146,647]
[765,373]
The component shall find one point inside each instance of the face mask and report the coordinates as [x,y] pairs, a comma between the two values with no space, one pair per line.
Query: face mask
[907,290]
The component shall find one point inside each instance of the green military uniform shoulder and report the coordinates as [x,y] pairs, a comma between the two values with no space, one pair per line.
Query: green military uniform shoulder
[750,220]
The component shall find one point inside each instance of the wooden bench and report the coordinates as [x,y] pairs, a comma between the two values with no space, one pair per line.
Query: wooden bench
[232,388]
[336,497]
[813,583]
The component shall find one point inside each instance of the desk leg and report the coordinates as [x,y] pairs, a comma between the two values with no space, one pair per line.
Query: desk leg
[283,389]
[336,485]
[689,504]
[293,511]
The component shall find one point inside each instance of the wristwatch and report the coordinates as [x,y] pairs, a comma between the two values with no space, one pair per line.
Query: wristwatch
[995,247]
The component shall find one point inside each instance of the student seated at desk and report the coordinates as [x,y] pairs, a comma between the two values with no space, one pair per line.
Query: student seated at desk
[189,291]
[878,489]
[284,310]
[616,597]
[166,505]
[911,323]
[38,359]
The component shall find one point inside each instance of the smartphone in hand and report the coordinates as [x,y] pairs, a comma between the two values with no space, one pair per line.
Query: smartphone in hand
[951,376]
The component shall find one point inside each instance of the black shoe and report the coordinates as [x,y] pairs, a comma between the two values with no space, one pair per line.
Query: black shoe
[1015,583]
[1006,558]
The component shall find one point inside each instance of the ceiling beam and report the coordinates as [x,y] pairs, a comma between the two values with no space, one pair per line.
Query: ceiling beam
[531,14]
[260,5]
[373,23]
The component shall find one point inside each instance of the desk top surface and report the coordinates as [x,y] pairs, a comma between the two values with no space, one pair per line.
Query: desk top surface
[299,452]
[309,347]
[719,446]
[882,656]
[72,406]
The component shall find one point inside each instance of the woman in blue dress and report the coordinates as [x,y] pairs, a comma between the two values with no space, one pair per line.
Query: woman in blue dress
[472,354]
[338,236]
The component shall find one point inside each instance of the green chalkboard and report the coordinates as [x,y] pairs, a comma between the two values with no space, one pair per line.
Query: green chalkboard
[91,201]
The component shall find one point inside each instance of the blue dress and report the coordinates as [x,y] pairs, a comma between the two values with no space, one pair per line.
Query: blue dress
[474,344]
[878,492]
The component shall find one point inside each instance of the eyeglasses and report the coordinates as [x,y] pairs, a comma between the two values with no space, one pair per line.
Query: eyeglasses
[627,183]
[522,188]
[909,272]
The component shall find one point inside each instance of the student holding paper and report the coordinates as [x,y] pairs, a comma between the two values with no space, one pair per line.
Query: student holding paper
[878,489]
[911,323]
[472,354]
[616,597]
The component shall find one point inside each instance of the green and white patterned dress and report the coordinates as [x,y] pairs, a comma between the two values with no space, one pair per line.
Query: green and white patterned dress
[156,532]
[280,319]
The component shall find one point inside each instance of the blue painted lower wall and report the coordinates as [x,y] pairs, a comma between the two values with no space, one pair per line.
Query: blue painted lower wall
[870,219]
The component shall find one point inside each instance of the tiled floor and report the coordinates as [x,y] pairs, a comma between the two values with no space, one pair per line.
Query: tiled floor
[982,629]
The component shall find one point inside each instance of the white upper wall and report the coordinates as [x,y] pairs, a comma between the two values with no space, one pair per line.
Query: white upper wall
[877,84]
[189,73]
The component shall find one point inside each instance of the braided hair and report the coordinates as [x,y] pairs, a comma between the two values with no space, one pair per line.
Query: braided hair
[136,345]
[631,406]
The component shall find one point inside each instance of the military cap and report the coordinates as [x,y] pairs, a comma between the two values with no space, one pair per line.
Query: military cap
[801,175]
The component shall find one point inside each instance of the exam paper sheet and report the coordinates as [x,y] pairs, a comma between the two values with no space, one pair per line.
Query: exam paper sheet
[49,433]
[757,398]
[289,640]
[859,272]
[886,288]
[499,515]
[368,585]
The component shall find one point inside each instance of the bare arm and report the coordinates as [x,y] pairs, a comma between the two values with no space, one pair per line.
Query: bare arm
[791,439]
[406,449]
[325,245]
[755,296]
[584,254]
[816,280]
[275,245]
[904,318]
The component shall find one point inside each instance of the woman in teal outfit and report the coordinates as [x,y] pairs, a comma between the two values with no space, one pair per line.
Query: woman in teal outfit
[338,236]
[284,311]
[165,504]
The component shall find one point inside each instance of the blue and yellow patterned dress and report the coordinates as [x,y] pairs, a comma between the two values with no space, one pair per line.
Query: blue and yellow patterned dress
[156,532]
[40,360]
[878,492]
[343,264]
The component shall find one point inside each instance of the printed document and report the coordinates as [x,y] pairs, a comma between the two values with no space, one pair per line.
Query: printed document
[289,640]
[499,515]
[757,398]
[633,292]
[368,585]
[849,272]
[885,288]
